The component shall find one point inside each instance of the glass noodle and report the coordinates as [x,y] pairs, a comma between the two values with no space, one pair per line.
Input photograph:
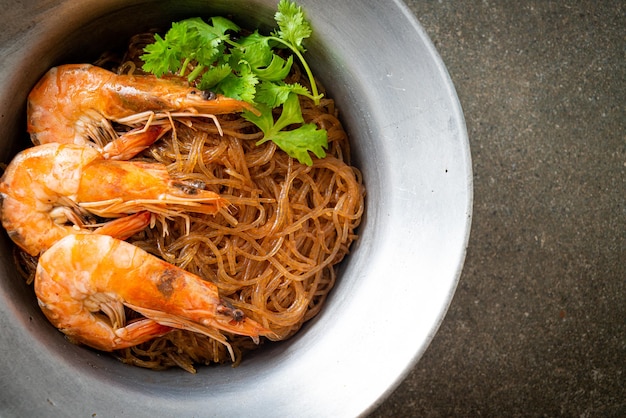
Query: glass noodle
[273,251]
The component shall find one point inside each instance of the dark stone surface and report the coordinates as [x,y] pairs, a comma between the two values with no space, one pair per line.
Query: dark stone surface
[537,326]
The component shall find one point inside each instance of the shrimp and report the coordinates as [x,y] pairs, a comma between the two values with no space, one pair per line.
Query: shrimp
[49,190]
[83,275]
[72,102]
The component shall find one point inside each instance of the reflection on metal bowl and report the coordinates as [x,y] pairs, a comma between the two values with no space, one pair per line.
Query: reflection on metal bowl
[408,138]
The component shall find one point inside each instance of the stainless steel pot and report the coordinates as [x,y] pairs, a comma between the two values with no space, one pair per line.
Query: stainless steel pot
[409,139]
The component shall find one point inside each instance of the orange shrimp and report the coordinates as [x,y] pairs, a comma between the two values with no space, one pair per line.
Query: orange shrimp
[47,191]
[72,102]
[82,275]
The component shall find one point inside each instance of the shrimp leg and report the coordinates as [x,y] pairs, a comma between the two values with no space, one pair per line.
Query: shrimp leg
[125,227]
[132,143]
[81,275]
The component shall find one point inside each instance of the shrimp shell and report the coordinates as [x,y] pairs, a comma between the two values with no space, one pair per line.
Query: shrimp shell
[82,275]
[47,189]
[71,102]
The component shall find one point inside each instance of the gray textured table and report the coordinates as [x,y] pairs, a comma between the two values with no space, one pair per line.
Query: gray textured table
[538,323]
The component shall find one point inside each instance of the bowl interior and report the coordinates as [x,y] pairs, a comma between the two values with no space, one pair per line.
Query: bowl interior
[408,138]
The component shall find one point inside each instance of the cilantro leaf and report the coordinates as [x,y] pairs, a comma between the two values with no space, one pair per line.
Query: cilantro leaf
[293,27]
[247,69]
[297,143]
[291,113]
[214,75]
[221,25]
[254,50]
[239,86]
[208,32]
[277,70]
[186,41]
[264,121]
[163,55]
[275,94]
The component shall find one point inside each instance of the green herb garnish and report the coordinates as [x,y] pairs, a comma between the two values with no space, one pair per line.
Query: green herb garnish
[247,69]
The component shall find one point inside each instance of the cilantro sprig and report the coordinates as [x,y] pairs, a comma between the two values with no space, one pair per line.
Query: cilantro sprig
[247,68]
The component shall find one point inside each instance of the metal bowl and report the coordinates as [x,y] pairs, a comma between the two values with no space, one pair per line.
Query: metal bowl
[409,139]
